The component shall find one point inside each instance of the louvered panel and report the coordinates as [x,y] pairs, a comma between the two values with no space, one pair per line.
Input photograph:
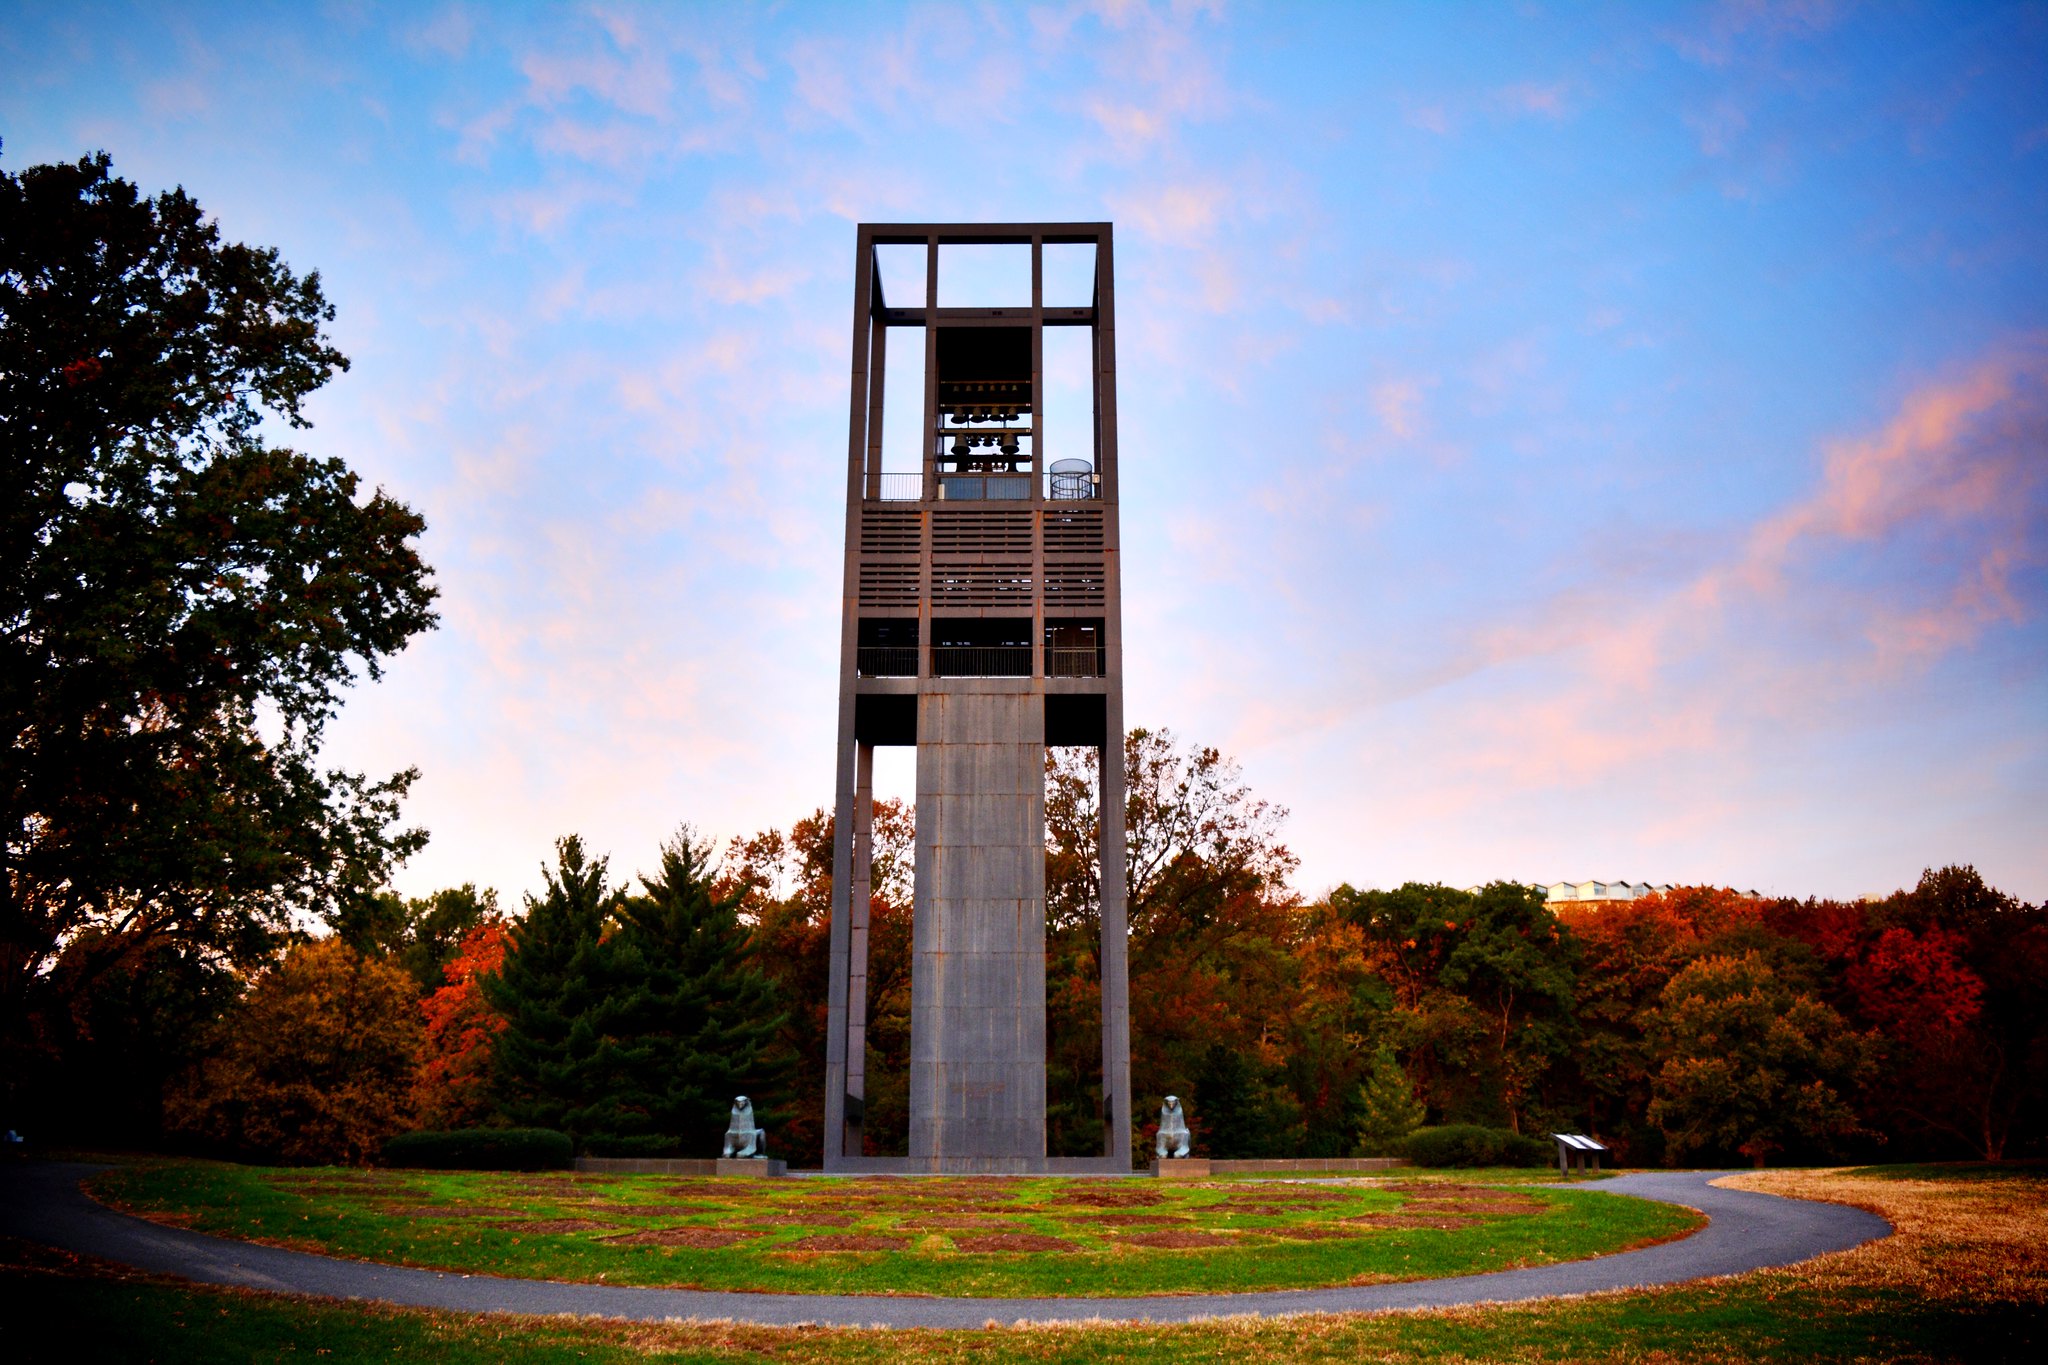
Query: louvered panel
[982,585]
[1077,531]
[1073,585]
[888,585]
[957,531]
[890,531]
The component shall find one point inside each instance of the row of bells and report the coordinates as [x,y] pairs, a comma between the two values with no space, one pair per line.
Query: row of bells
[962,442]
[981,412]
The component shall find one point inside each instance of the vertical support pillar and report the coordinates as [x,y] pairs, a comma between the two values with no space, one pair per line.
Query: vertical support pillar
[1116,977]
[928,440]
[1038,462]
[1115,947]
[841,935]
[859,903]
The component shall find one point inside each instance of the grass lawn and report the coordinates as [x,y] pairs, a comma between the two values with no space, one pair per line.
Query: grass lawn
[1965,1279]
[903,1236]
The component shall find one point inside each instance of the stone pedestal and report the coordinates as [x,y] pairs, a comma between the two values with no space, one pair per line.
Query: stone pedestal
[761,1168]
[1181,1168]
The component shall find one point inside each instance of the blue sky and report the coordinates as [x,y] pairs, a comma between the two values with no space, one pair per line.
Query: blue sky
[1559,441]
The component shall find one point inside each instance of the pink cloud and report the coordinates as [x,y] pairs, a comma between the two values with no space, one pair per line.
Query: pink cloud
[1177,214]
[1732,26]
[1398,404]
[1965,450]
[1916,539]
[1529,97]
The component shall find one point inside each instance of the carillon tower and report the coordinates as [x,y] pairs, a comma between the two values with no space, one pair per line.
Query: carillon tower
[981,622]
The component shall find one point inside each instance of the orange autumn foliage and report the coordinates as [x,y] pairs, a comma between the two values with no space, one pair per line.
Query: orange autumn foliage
[454,1082]
[316,1064]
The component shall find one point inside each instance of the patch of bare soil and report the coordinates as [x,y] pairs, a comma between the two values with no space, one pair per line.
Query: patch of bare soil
[797,1220]
[1439,1222]
[1013,1241]
[438,1211]
[1114,1220]
[696,1189]
[1305,1234]
[947,1222]
[1115,1197]
[699,1239]
[1178,1239]
[846,1241]
[647,1210]
[1446,1189]
[553,1225]
[1484,1206]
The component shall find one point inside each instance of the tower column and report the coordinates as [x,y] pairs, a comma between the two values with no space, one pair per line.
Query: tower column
[859,902]
[977,1015]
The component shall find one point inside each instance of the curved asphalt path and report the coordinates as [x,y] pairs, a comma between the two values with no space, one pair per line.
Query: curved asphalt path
[43,1202]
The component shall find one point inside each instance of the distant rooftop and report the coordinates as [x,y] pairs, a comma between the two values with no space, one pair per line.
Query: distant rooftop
[1609,891]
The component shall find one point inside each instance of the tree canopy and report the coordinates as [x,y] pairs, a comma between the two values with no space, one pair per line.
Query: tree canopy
[319,1063]
[182,603]
[1749,1064]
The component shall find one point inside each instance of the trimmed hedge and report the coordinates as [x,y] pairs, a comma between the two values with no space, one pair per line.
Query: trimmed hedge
[1469,1144]
[482,1149]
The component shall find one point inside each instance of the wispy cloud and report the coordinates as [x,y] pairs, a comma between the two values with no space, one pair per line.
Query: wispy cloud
[1549,100]
[1911,545]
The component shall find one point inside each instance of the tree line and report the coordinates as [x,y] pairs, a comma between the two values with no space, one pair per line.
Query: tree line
[1698,1025]
[1694,1026]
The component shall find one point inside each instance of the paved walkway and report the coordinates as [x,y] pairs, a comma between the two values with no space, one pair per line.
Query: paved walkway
[43,1202]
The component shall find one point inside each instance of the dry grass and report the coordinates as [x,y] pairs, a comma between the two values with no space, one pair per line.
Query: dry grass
[1957,1241]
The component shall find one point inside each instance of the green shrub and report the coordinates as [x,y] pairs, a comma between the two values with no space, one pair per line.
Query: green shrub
[1469,1144]
[482,1149]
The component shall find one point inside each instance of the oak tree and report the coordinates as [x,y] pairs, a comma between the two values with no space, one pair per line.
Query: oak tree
[1750,1064]
[182,602]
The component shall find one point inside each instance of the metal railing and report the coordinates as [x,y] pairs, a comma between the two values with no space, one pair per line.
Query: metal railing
[1083,662]
[981,661]
[896,487]
[891,487]
[886,661]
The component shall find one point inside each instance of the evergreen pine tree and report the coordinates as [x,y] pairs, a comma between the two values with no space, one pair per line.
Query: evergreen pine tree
[1386,1107]
[548,985]
[1237,1111]
[685,1021]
